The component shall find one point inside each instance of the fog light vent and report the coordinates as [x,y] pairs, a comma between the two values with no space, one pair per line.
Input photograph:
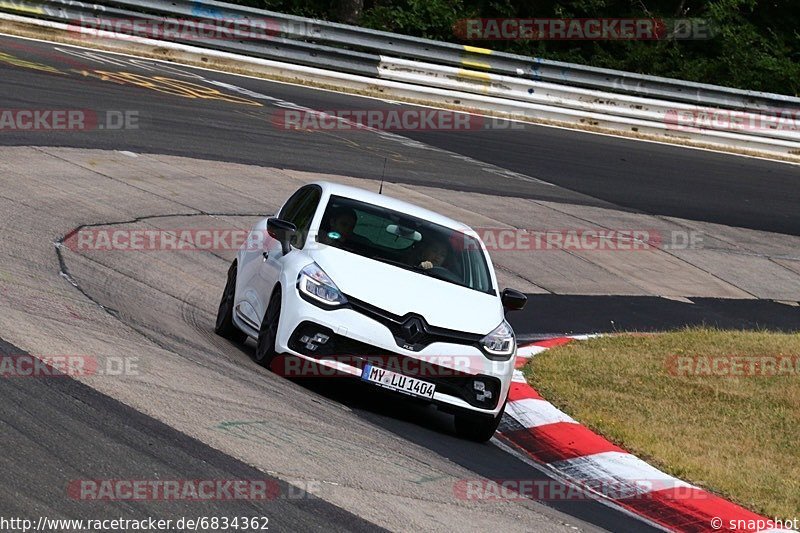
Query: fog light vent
[482,393]
[312,343]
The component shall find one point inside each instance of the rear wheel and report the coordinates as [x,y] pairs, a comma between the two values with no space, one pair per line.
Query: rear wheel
[225,326]
[476,427]
[265,350]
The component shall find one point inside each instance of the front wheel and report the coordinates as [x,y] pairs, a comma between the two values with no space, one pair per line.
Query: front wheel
[476,427]
[224,326]
[265,350]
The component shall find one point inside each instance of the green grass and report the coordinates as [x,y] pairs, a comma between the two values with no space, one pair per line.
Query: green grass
[736,436]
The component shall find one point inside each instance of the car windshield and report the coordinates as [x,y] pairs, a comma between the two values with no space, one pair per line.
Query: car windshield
[405,241]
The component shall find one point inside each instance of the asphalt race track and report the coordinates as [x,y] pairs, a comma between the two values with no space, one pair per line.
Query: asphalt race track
[653,178]
[197,407]
[392,463]
[120,443]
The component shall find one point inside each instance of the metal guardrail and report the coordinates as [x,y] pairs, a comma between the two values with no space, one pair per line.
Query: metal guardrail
[312,42]
[273,47]
[667,114]
[505,83]
[430,51]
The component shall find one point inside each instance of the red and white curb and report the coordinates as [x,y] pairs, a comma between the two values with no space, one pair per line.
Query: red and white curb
[540,431]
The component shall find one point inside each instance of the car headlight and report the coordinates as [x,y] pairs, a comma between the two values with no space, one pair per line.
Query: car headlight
[500,342]
[315,283]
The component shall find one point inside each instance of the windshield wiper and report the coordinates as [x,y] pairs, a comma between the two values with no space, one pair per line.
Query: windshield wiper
[426,271]
[452,278]
[400,264]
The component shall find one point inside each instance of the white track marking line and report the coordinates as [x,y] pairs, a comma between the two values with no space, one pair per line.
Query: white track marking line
[663,143]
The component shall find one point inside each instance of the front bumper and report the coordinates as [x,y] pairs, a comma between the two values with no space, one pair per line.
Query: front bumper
[355,339]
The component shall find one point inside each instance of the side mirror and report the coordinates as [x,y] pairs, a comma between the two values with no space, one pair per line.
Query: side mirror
[282,231]
[513,300]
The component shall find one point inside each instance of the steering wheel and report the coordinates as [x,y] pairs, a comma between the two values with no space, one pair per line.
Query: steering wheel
[445,273]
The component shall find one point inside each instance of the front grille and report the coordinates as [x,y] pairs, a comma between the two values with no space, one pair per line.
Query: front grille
[335,346]
[428,335]
[359,354]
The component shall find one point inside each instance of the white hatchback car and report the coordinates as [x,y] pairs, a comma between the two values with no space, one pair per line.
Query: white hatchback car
[393,294]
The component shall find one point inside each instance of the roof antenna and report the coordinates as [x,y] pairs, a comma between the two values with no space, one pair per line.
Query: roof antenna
[385,159]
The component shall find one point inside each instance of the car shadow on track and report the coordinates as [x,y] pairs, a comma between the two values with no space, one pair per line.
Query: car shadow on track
[415,420]
[392,411]
[424,425]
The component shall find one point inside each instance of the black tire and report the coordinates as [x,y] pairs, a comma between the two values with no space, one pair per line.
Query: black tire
[265,350]
[225,326]
[476,427]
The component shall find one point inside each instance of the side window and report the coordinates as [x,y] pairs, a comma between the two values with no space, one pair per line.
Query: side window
[290,207]
[299,210]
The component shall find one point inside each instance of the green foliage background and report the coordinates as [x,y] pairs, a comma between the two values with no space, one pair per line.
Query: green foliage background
[756,43]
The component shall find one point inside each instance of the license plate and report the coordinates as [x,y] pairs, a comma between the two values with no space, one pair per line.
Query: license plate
[398,382]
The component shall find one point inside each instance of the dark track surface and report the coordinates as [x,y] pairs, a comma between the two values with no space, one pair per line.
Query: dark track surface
[647,177]
[425,426]
[567,314]
[55,430]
